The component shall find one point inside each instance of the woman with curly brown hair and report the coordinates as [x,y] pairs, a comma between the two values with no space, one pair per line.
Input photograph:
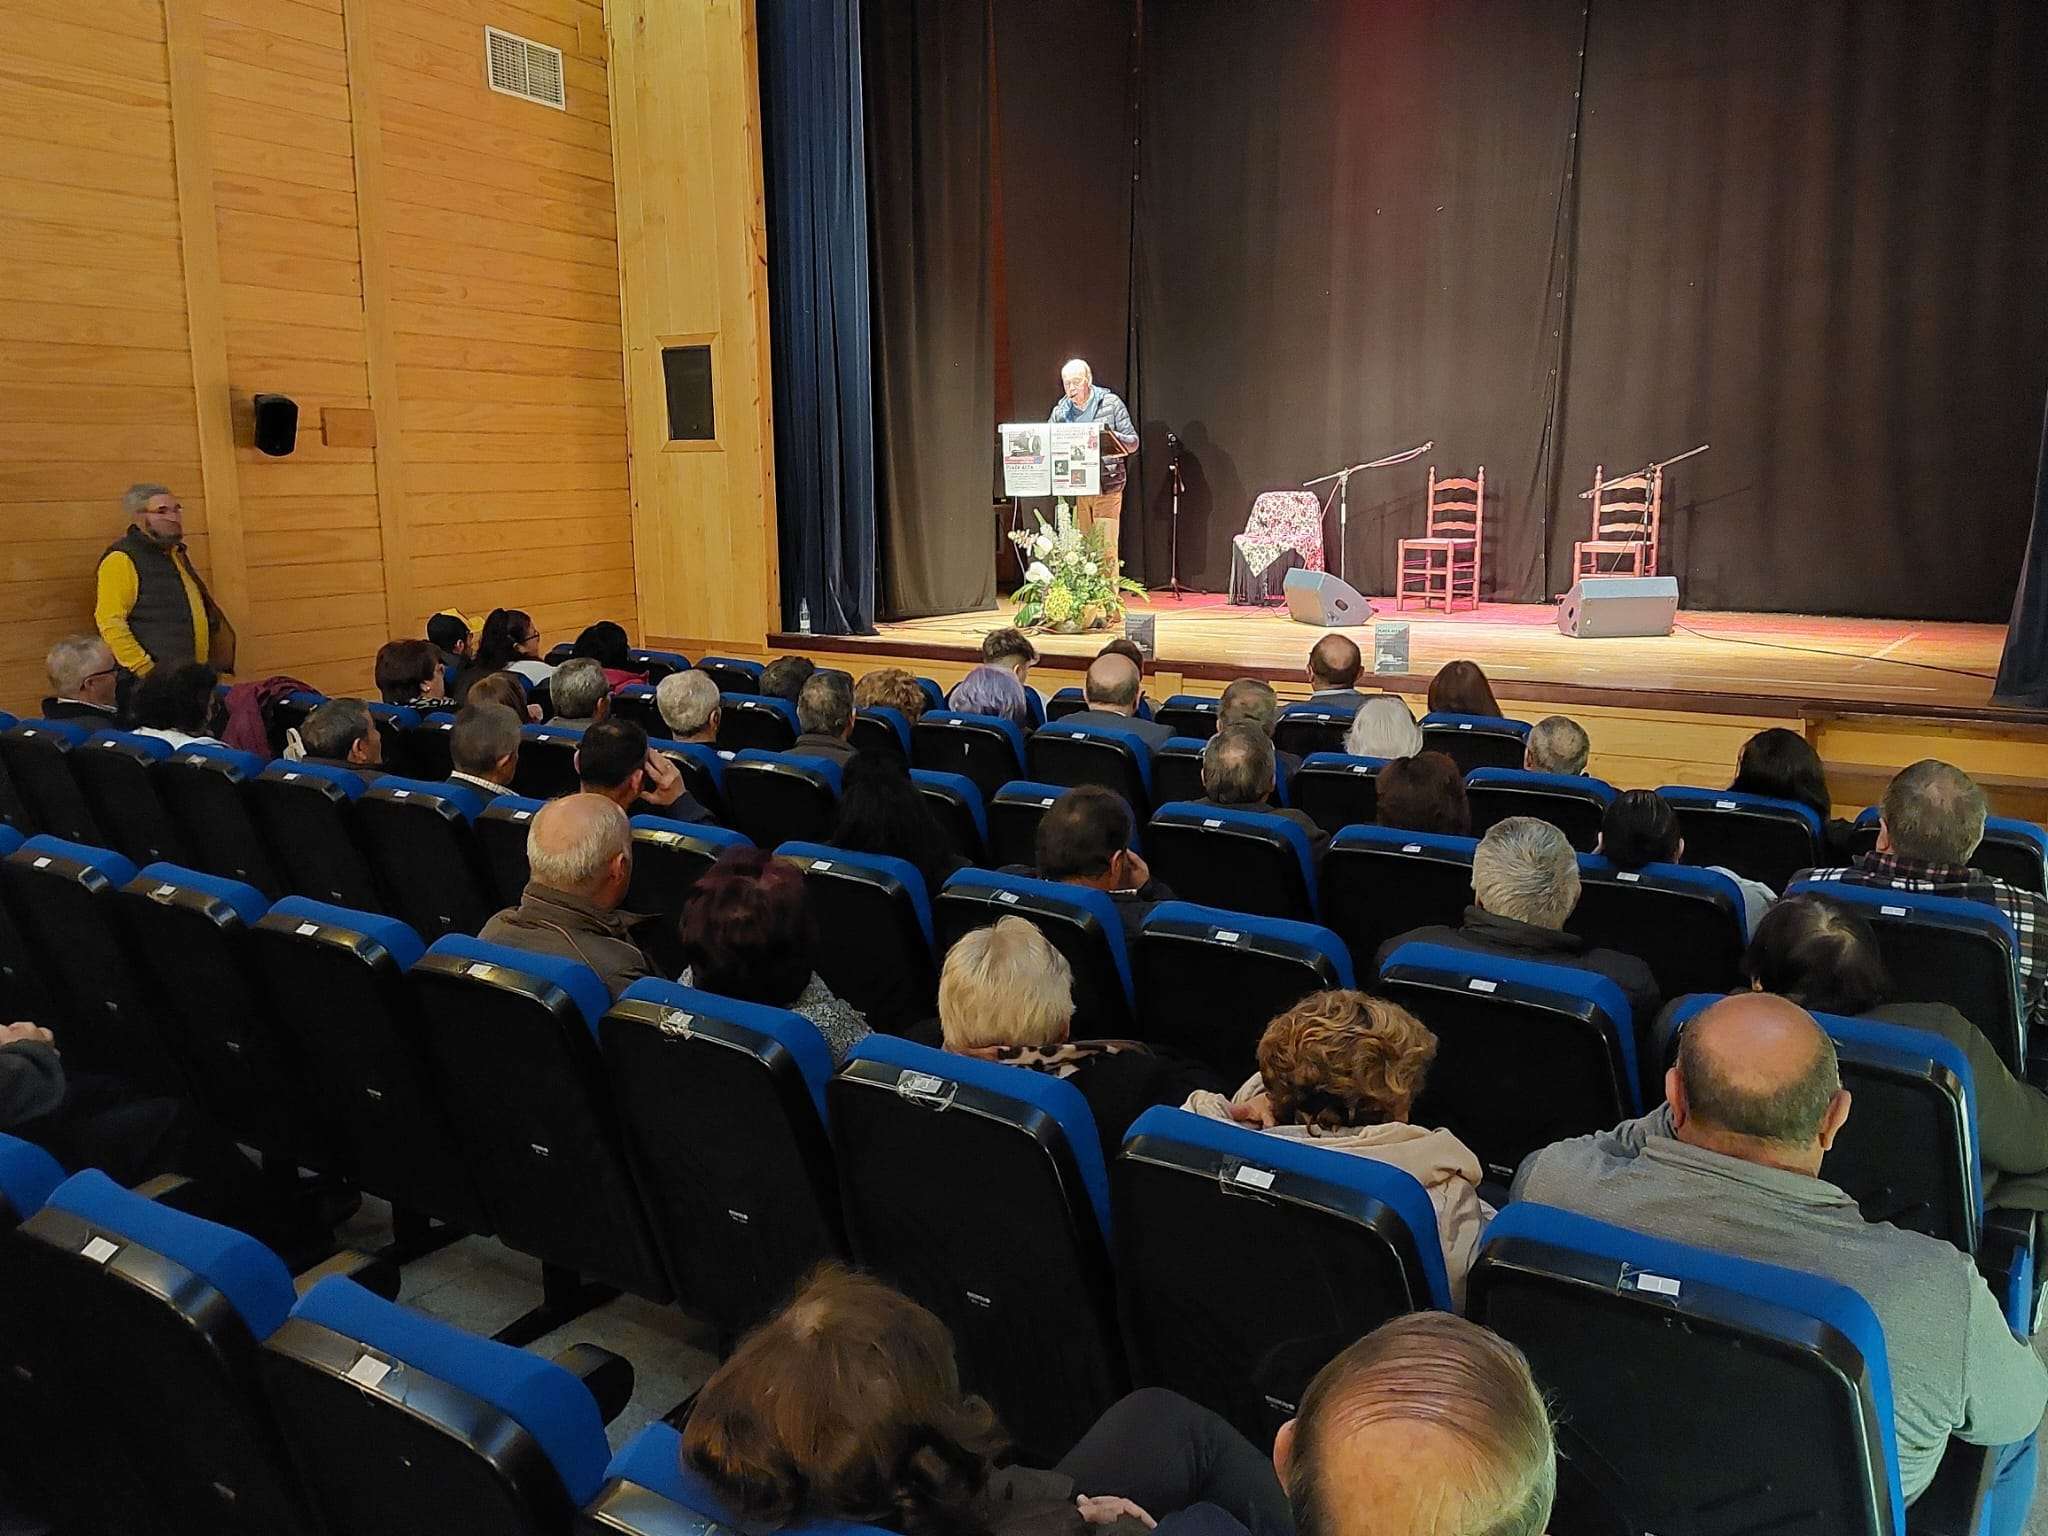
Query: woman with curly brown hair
[1342,1070]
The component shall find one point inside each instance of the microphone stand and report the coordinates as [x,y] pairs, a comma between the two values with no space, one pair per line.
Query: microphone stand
[1654,467]
[1173,577]
[1343,489]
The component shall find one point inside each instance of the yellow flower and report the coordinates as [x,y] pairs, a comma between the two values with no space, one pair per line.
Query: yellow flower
[1059,605]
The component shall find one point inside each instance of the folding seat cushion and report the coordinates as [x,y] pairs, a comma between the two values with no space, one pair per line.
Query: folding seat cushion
[1306,729]
[547,761]
[37,756]
[956,803]
[339,980]
[702,768]
[64,899]
[1759,836]
[1688,925]
[1191,714]
[874,920]
[204,787]
[1276,1254]
[1527,1054]
[979,1190]
[1070,754]
[1239,859]
[422,843]
[513,1036]
[500,830]
[148,1321]
[1476,741]
[401,1423]
[1786,1377]
[1337,790]
[305,813]
[1379,882]
[1944,949]
[985,748]
[649,1491]
[1209,981]
[731,675]
[115,771]
[1014,812]
[1570,802]
[1080,922]
[778,797]
[723,1109]
[756,720]
[881,729]
[2014,851]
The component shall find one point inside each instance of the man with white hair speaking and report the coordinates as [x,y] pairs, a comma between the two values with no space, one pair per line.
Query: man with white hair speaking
[1081,400]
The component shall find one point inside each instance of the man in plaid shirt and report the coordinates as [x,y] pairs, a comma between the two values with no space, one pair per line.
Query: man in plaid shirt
[1933,821]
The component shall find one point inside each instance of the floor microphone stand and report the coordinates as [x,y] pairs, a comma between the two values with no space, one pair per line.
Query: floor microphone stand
[1343,489]
[1173,575]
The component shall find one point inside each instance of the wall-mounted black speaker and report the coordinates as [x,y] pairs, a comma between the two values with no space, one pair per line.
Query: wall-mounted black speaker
[277,424]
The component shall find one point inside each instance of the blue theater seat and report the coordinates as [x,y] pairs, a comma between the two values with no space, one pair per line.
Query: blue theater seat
[759,721]
[37,757]
[115,771]
[1080,922]
[23,992]
[657,664]
[422,843]
[1191,714]
[1337,790]
[1688,925]
[650,1491]
[1177,769]
[1014,812]
[204,787]
[500,830]
[1527,1054]
[1380,882]
[777,797]
[1064,702]
[881,729]
[957,804]
[731,675]
[1306,729]
[985,748]
[702,768]
[636,702]
[305,813]
[547,761]
[723,1109]
[423,750]
[28,1175]
[1240,859]
[979,1190]
[1476,741]
[668,859]
[877,918]
[1759,836]
[1210,981]
[1116,759]
[1570,802]
[1303,1250]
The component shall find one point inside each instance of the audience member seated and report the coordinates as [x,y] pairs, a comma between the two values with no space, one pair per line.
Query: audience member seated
[1639,827]
[846,1406]
[509,642]
[1423,793]
[1525,883]
[179,704]
[408,674]
[1383,727]
[579,860]
[785,676]
[341,733]
[882,811]
[581,694]
[1461,688]
[502,688]
[483,749]
[1111,690]
[1006,995]
[1931,823]
[1249,701]
[749,935]
[1334,665]
[990,689]
[1557,745]
[1783,765]
[891,688]
[1427,1426]
[688,702]
[606,644]
[1731,1161]
[1132,652]
[1825,957]
[824,717]
[614,760]
[83,681]
[1085,839]
[1237,775]
[1342,1070]
[1012,650]
[452,637]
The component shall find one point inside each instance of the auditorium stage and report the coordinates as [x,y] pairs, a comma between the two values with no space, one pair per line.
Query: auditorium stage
[1740,663]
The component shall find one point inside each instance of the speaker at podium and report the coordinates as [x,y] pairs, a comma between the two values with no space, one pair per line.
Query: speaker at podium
[1326,601]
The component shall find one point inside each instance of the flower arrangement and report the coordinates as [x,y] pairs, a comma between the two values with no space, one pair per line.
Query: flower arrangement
[1071,582]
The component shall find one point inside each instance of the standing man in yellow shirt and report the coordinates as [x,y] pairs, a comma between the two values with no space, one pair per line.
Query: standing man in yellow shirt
[152,609]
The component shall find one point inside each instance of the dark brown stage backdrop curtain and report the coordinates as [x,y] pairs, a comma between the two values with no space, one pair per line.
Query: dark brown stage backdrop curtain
[925,74]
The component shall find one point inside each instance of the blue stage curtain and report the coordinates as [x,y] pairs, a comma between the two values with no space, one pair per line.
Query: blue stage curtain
[815,164]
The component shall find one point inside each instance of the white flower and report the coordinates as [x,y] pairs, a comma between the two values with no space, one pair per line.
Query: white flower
[1088,566]
[1041,546]
[1037,572]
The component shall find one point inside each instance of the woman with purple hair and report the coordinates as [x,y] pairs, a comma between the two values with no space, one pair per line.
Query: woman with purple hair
[989,690]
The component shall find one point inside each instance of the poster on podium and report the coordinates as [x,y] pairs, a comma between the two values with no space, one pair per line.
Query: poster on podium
[1059,458]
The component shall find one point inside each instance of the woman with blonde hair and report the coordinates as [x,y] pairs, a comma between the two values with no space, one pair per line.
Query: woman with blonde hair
[1383,727]
[1342,1070]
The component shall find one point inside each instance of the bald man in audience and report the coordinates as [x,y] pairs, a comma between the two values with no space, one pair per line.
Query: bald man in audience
[1111,692]
[1427,1426]
[1557,745]
[1732,1161]
[579,860]
[1334,666]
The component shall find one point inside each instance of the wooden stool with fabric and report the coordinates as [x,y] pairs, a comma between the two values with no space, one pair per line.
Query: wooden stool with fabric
[1626,515]
[1443,565]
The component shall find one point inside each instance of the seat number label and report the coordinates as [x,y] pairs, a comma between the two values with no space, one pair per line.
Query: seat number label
[1481,984]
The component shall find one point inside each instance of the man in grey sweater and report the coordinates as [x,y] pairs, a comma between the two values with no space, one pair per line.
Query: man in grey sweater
[1731,1162]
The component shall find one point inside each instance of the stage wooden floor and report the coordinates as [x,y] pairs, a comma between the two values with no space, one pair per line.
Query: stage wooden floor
[1769,663]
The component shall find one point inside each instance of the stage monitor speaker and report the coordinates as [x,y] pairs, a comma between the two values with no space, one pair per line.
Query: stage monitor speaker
[1329,602]
[277,424]
[1608,607]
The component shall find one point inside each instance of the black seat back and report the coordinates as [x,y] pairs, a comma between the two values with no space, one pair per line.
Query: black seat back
[1076,754]
[305,813]
[38,758]
[1080,923]
[882,730]
[547,761]
[1337,790]
[116,774]
[423,749]
[500,830]
[422,843]
[1014,813]
[981,747]
[205,790]
[879,914]
[1686,924]
[757,721]
[776,799]
[1241,859]
[723,1109]
[1177,771]
[1190,714]
[1306,729]
[1476,741]
[1379,882]
[1766,839]
[1572,803]
[958,808]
